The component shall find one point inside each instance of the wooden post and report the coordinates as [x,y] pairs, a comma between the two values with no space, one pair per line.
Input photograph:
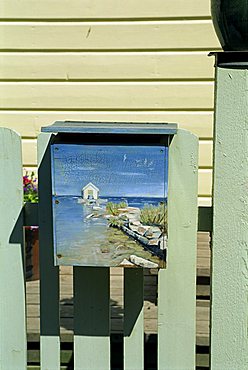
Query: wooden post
[133,318]
[49,274]
[91,318]
[229,304]
[12,274]
[177,283]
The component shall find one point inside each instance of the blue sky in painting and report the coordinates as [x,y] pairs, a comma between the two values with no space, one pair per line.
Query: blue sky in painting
[117,171]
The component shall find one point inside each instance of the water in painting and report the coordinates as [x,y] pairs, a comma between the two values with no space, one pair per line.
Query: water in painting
[110,205]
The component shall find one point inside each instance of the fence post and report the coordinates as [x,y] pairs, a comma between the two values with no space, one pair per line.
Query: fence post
[49,274]
[91,318]
[229,307]
[177,283]
[133,318]
[12,274]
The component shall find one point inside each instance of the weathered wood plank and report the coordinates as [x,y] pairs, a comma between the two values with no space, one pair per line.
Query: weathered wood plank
[29,123]
[106,95]
[133,319]
[155,35]
[66,272]
[110,9]
[49,274]
[150,294]
[203,236]
[229,340]
[202,291]
[176,294]
[106,66]
[117,311]
[202,360]
[150,312]
[12,283]
[201,261]
[150,327]
[91,318]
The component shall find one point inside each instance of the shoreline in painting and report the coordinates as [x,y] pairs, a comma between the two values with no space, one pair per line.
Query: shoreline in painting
[129,231]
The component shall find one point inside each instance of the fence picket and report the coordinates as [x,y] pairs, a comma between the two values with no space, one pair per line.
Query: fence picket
[49,274]
[91,318]
[177,285]
[12,283]
[133,319]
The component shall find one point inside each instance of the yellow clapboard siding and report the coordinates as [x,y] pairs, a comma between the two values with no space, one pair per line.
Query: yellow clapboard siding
[204,184]
[106,66]
[144,35]
[111,95]
[29,123]
[30,153]
[83,9]
[206,153]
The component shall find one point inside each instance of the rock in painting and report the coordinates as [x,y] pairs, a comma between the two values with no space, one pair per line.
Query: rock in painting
[143,262]
[154,242]
[126,263]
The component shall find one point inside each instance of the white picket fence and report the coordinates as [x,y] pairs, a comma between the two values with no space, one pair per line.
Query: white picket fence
[176,295]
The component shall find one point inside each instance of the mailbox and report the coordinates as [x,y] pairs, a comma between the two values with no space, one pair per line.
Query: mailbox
[109,193]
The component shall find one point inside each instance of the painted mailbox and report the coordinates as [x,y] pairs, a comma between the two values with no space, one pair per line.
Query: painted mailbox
[110,202]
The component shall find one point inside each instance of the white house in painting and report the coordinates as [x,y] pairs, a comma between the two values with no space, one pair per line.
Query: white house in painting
[90,191]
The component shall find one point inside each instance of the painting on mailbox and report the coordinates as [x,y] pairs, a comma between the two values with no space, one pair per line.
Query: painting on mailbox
[110,205]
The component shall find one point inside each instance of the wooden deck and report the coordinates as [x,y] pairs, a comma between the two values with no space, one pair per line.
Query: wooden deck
[116,300]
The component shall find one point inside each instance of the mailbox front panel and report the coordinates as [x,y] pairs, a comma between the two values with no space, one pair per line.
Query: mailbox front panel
[109,205]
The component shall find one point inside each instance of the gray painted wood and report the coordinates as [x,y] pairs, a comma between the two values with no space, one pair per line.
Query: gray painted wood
[229,339]
[49,274]
[111,128]
[177,283]
[133,319]
[91,318]
[12,280]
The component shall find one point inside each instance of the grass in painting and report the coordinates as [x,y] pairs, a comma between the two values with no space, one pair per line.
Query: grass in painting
[114,208]
[154,216]
[116,222]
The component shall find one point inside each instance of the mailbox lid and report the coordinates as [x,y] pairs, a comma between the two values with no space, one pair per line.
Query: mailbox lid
[99,194]
[84,127]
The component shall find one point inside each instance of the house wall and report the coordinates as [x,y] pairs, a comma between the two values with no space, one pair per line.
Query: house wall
[108,60]
[91,190]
